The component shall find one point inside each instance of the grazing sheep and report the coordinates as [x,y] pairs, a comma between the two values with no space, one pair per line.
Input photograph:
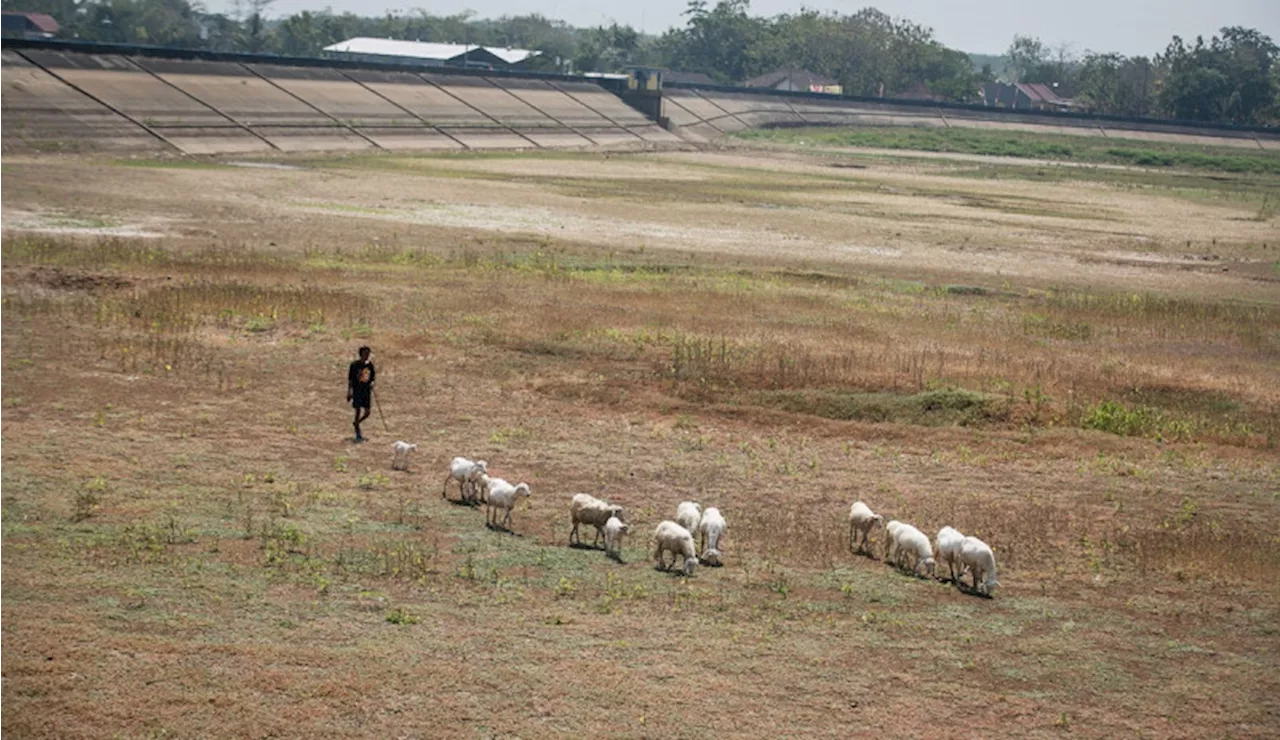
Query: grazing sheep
[587,509]
[946,548]
[401,450]
[861,520]
[912,546]
[890,544]
[613,531]
[466,473]
[675,539]
[977,558]
[688,514]
[502,495]
[711,527]
[480,488]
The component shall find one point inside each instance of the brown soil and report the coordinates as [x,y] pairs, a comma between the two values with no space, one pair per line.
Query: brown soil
[192,547]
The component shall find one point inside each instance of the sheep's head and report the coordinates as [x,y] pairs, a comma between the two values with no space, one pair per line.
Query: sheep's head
[480,468]
[624,527]
[615,510]
[930,566]
[412,447]
[879,520]
[712,556]
[689,565]
[522,489]
[991,585]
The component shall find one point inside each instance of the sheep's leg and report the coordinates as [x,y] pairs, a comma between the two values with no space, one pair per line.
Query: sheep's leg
[574,533]
[444,492]
[596,541]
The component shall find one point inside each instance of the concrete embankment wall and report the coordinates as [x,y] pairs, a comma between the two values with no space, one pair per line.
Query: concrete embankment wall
[75,97]
[705,114]
[66,100]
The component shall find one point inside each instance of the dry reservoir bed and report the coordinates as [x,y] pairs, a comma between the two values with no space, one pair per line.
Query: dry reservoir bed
[1077,365]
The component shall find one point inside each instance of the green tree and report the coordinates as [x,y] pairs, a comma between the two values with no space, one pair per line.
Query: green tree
[1228,79]
[723,42]
[1114,83]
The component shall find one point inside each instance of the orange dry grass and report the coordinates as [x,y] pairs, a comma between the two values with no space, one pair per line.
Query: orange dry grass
[191,548]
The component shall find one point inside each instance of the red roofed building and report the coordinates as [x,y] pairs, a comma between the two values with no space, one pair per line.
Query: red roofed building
[29,25]
[1024,95]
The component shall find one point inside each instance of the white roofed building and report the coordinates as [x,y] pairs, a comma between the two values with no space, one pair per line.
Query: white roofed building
[364,48]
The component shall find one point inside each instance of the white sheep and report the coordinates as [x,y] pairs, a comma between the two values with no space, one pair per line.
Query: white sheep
[977,558]
[861,520]
[480,487]
[675,539]
[946,548]
[613,531]
[711,527]
[400,450]
[502,495]
[688,514]
[587,509]
[466,473]
[890,530]
[911,546]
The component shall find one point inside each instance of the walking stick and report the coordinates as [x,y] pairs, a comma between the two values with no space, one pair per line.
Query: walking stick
[385,428]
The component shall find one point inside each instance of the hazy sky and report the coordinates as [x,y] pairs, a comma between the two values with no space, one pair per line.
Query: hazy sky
[1128,26]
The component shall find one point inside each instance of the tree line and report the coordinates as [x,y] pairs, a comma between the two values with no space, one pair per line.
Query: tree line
[1232,77]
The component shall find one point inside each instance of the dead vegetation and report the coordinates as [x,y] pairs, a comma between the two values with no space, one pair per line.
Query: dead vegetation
[202,550]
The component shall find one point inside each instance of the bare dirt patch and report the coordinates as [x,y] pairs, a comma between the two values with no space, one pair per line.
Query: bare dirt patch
[193,546]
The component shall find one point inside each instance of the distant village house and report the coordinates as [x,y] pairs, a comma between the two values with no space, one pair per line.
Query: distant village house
[29,25]
[392,51]
[1023,96]
[795,79]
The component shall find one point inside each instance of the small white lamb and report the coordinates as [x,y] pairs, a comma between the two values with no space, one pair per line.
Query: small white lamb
[587,509]
[502,495]
[401,450]
[711,527]
[946,548]
[688,514]
[890,543]
[466,473]
[675,539]
[911,546]
[977,558]
[861,520]
[613,531]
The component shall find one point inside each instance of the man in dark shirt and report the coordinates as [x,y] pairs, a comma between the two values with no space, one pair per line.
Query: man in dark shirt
[360,377]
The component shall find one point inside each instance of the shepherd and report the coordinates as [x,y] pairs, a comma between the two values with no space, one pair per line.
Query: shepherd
[360,377]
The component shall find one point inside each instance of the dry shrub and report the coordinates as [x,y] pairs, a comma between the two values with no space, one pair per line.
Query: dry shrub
[1205,550]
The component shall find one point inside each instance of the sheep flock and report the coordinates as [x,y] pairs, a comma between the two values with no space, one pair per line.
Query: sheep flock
[694,535]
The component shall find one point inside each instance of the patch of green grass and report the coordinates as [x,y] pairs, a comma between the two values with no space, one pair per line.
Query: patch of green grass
[1033,145]
[930,408]
[170,164]
[1136,421]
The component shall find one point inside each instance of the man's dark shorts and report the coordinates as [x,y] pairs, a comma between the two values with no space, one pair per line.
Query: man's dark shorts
[361,400]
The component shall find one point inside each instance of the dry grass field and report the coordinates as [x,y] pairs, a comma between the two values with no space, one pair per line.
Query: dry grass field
[1080,365]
